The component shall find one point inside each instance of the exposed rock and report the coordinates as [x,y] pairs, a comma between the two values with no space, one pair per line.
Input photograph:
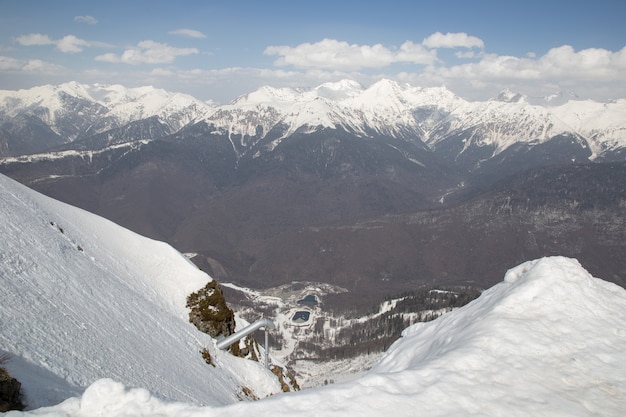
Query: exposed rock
[209,312]
[286,378]
[9,392]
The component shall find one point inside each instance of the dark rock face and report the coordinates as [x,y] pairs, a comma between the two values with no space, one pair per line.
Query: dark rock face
[9,393]
[209,312]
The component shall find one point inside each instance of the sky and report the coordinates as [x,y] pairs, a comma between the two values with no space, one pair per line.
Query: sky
[221,50]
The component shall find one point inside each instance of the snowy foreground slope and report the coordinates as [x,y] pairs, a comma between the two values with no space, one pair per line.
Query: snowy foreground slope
[548,340]
[83,299]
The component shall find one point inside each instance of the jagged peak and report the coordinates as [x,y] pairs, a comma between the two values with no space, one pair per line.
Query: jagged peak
[339,90]
[391,94]
[75,89]
[508,96]
[268,94]
[560,97]
[385,86]
[345,84]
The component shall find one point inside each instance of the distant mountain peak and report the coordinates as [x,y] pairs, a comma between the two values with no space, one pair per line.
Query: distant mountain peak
[560,97]
[339,90]
[508,96]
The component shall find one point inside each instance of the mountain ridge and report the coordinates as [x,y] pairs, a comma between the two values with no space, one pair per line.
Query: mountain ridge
[384,108]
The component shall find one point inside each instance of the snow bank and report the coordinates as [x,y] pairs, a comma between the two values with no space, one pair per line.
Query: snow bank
[548,340]
[85,299]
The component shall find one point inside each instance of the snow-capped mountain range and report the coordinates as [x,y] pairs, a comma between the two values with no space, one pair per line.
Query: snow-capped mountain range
[98,108]
[93,323]
[74,111]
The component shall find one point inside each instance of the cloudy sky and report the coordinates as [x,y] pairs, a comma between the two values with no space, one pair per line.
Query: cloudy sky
[220,50]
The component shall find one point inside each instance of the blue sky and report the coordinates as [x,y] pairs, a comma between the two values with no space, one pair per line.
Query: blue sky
[220,50]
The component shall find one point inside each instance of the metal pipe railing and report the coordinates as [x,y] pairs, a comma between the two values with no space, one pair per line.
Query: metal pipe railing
[235,337]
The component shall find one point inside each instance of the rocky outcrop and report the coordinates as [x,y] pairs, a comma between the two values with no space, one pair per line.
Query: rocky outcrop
[209,312]
[9,392]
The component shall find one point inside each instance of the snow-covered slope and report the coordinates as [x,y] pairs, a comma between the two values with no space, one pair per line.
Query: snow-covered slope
[603,124]
[548,340]
[129,104]
[84,299]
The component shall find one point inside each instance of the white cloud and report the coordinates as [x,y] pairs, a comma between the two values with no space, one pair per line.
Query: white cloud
[562,63]
[452,40]
[163,72]
[465,54]
[8,64]
[34,39]
[330,53]
[147,52]
[71,44]
[90,20]
[589,64]
[334,54]
[414,53]
[591,73]
[190,33]
[469,71]
[67,44]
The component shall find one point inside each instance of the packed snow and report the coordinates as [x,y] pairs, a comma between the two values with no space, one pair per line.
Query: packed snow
[547,340]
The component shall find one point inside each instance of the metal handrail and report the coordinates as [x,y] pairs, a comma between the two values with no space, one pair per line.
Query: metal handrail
[264,322]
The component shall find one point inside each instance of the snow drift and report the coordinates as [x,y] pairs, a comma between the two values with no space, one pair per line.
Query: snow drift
[84,299]
[547,340]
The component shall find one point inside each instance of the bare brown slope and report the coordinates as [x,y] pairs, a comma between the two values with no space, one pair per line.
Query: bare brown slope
[351,211]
